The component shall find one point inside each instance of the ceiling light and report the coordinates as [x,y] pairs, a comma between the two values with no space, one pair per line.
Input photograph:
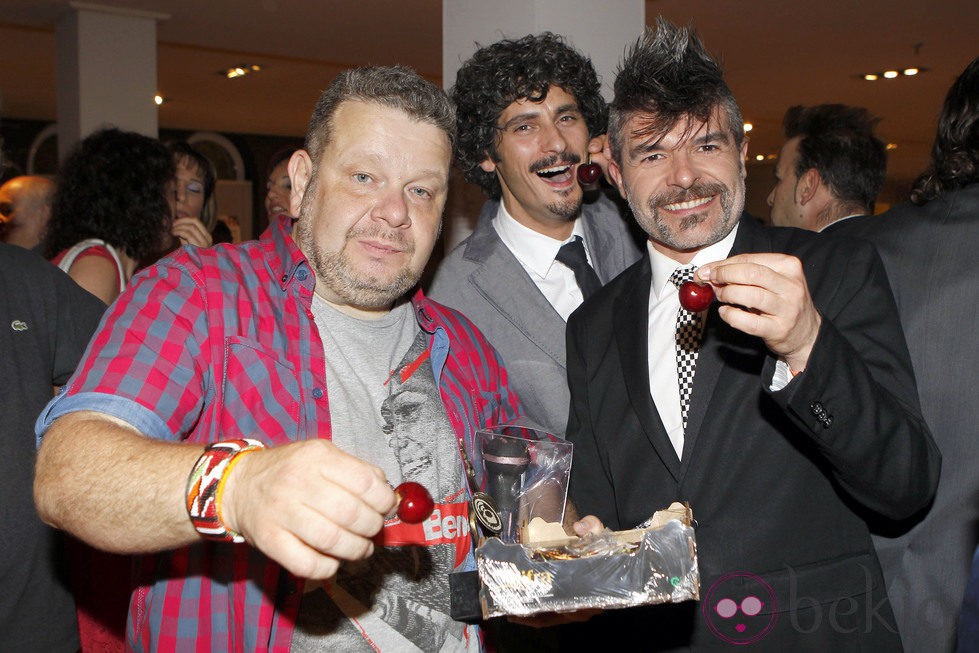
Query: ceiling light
[876,75]
[748,127]
[892,146]
[759,157]
[240,70]
[159,99]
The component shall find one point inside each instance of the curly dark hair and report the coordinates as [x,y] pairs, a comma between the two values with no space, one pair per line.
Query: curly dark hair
[510,70]
[838,141]
[113,187]
[669,76]
[955,153]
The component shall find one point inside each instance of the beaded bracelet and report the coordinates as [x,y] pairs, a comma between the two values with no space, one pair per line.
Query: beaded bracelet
[205,487]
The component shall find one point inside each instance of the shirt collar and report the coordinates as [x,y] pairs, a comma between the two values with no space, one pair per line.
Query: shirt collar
[663,266]
[284,257]
[534,250]
[845,217]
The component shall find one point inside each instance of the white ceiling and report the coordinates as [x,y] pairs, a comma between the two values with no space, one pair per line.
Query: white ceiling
[776,53]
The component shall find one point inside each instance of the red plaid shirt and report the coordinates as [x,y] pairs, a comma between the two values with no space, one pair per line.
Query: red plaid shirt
[220,343]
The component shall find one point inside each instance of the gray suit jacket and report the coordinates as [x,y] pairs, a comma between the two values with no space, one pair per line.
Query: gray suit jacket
[929,253]
[484,280]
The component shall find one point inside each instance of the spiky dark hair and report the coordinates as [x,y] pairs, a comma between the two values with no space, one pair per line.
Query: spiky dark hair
[838,141]
[668,76]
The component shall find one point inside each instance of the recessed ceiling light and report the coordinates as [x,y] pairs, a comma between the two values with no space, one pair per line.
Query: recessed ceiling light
[892,146]
[870,77]
[910,71]
[240,70]
[759,157]
[748,127]
[159,99]
[890,74]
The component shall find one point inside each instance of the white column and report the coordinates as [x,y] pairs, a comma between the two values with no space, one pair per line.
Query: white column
[106,71]
[599,29]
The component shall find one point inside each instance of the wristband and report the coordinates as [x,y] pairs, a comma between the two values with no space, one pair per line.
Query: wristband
[205,487]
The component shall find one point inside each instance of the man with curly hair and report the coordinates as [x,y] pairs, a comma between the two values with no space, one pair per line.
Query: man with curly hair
[529,112]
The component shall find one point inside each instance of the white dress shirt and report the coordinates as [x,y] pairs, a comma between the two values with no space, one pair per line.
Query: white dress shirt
[664,304]
[536,253]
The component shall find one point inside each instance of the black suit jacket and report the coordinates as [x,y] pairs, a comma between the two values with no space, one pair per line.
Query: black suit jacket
[780,483]
[929,253]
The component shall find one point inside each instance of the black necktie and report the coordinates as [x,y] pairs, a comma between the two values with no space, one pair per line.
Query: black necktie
[572,254]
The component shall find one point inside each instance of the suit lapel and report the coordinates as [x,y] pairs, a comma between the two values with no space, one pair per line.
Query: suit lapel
[631,319]
[503,282]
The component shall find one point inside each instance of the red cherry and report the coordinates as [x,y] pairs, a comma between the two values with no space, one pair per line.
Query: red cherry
[695,297]
[588,173]
[415,504]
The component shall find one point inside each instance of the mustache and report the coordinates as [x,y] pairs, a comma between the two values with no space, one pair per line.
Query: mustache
[377,232]
[568,158]
[698,190]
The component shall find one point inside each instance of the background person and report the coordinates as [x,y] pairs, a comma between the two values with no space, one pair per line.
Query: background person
[25,208]
[46,321]
[831,167]
[928,247]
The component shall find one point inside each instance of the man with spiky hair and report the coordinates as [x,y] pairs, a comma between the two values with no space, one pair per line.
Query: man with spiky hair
[529,113]
[785,413]
[830,169]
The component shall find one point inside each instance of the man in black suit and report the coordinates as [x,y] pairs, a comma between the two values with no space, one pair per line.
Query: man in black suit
[801,422]
[929,247]
[830,169]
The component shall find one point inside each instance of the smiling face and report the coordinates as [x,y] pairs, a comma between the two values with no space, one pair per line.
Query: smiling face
[537,149]
[686,187]
[370,212]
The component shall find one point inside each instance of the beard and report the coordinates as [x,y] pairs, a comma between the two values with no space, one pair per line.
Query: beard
[568,208]
[358,288]
[678,234]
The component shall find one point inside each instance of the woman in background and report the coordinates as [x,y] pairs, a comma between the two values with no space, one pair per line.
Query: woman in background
[111,211]
[194,203]
[278,186]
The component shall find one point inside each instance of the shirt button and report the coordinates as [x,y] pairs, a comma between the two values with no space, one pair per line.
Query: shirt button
[317,393]
[301,275]
[284,278]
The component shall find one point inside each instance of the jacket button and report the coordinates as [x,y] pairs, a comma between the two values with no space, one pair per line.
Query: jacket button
[317,393]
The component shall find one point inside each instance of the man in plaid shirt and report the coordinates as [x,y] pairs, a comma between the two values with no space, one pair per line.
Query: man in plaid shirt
[299,342]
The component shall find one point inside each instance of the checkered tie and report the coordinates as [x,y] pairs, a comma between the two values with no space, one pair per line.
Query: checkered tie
[688,336]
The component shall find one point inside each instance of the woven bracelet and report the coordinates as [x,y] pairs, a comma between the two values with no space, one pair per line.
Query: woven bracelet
[205,487]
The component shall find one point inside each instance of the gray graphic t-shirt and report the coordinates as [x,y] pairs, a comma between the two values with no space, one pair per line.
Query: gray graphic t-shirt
[385,408]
